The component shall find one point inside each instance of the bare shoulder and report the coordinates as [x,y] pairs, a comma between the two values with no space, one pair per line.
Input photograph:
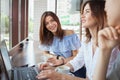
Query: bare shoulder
[69,32]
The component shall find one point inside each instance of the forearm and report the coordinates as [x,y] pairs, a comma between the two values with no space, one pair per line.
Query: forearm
[48,54]
[102,65]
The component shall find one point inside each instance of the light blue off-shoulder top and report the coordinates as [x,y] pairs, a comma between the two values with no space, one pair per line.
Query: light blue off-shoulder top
[65,46]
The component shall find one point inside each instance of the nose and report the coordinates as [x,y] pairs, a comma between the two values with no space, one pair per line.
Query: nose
[82,15]
[50,24]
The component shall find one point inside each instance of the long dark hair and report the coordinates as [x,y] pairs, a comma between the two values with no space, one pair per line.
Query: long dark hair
[97,8]
[46,37]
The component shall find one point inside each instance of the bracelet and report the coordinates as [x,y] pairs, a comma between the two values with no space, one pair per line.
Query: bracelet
[57,56]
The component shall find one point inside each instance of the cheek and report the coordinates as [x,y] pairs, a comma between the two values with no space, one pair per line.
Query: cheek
[113,17]
[55,23]
[91,21]
[47,27]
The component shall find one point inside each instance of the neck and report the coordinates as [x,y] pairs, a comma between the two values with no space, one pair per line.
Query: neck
[54,34]
[93,32]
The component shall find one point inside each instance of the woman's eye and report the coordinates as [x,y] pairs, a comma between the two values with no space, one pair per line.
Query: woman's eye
[52,20]
[86,11]
[46,23]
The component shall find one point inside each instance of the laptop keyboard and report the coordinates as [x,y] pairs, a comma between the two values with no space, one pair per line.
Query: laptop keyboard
[25,73]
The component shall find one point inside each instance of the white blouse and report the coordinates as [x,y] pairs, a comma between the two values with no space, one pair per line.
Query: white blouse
[85,56]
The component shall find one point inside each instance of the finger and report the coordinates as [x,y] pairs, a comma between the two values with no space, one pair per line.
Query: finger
[103,33]
[109,34]
[41,77]
[114,33]
[42,66]
[118,29]
[47,68]
[50,58]
[45,75]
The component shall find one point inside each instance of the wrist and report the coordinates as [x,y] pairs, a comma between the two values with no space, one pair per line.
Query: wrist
[105,50]
[105,53]
[58,56]
[61,59]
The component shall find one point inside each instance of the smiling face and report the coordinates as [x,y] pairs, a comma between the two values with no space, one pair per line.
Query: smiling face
[51,24]
[88,19]
[112,8]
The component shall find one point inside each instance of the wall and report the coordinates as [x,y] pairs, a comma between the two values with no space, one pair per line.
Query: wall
[39,7]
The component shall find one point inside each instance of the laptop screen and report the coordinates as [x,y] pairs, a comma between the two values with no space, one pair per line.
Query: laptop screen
[5,58]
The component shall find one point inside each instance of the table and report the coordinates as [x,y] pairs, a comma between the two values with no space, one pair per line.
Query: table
[27,53]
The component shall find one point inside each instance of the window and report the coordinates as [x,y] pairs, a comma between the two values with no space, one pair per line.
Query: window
[69,14]
[5,20]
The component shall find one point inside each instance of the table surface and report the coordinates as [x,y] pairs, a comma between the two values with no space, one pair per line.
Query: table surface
[29,54]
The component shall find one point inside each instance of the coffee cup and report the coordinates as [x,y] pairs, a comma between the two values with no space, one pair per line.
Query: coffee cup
[63,69]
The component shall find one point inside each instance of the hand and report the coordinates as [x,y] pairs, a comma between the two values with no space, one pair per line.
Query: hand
[49,75]
[108,38]
[46,66]
[54,61]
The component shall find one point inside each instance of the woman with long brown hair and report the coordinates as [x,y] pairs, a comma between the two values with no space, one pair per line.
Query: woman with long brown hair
[63,43]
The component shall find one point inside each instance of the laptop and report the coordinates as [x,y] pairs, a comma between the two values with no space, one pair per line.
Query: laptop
[15,73]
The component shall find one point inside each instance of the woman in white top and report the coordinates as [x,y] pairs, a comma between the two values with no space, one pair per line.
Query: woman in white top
[108,39]
[93,20]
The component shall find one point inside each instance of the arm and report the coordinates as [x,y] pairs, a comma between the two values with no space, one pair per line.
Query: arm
[61,60]
[73,43]
[102,65]
[47,53]
[108,38]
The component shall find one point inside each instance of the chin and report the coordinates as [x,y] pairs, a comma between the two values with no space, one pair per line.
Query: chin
[83,26]
[54,31]
[111,23]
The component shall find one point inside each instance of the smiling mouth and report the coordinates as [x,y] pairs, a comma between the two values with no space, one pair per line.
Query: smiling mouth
[83,21]
[52,28]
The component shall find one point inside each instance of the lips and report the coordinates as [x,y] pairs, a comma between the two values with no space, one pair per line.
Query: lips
[52,28]
[83,21]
